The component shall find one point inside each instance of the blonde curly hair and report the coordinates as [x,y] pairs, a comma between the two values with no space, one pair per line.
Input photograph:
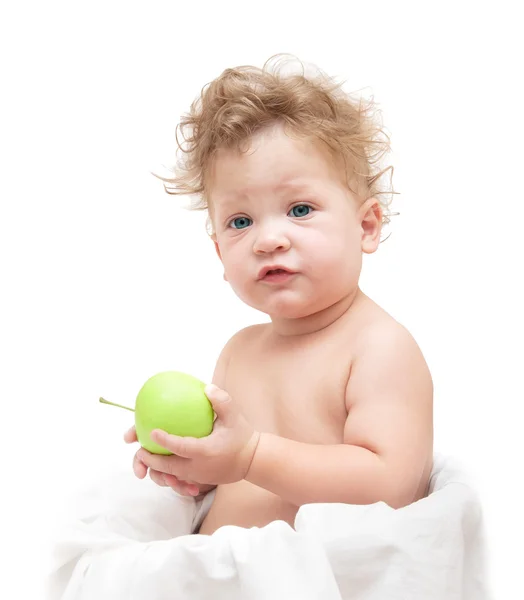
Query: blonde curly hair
[244,100]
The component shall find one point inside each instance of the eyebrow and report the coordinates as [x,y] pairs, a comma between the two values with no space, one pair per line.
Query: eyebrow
[287,184]
[293,184]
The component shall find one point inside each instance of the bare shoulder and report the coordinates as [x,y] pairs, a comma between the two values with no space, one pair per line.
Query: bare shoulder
[388,353]
[386,332]
[236,344]
[242,338]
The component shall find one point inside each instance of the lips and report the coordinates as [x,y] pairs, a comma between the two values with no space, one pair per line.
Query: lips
[273,270]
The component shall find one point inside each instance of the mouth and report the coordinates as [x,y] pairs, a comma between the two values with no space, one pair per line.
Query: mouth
[275,274]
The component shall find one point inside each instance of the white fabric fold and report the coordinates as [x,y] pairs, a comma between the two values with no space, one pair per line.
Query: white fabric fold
[130,539]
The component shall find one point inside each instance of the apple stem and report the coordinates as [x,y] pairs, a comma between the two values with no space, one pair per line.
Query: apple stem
[113,404]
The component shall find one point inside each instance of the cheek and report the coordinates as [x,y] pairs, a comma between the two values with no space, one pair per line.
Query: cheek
[332,248]
[234,261]
[338,257]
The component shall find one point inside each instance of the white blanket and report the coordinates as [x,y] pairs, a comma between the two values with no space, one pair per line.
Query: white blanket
[131,540]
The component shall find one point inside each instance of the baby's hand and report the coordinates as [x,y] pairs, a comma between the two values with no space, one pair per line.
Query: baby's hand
[184,488]
[224,456]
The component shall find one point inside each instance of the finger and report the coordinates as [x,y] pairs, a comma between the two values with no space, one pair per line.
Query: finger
[158,478]
[161,462]
[177,485]
[182,487]
[187,447]
[224,407]
[139,468]
[130,435]
[172,481]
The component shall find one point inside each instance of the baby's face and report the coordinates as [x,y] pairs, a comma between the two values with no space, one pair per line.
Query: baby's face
[284,204]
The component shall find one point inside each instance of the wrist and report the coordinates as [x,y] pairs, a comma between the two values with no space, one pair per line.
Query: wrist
[251,450]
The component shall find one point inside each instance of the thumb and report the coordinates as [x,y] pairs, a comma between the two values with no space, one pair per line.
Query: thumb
[224,407]
[130,436]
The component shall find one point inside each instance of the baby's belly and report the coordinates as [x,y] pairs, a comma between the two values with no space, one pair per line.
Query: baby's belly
[246,505]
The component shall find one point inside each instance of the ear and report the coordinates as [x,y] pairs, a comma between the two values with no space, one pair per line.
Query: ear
[370,215]
[217,250]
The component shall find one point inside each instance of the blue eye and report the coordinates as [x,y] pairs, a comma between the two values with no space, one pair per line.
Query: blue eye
[241,223]
[300,210]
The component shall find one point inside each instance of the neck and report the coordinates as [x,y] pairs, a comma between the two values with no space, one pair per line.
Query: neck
[319,320]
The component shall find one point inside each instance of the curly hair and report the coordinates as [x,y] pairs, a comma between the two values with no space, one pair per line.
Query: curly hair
[244,100]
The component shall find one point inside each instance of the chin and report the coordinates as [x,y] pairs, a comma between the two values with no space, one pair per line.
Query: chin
[288,313]
[288,304]
[289,309]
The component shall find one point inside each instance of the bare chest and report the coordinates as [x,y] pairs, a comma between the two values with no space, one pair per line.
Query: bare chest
[298,393]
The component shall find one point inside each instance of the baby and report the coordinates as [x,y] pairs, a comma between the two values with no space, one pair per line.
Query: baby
[332,400]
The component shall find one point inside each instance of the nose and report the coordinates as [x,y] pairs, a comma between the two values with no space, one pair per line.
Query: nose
[271,238]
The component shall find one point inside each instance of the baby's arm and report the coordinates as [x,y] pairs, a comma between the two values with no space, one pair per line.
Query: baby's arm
[388,434]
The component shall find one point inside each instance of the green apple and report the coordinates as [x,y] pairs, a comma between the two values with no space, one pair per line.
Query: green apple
[174,402]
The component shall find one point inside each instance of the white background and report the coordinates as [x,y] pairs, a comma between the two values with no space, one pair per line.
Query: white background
[107,280]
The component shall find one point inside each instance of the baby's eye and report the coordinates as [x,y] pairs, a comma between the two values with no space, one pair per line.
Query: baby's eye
[240,223]
[300,210]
